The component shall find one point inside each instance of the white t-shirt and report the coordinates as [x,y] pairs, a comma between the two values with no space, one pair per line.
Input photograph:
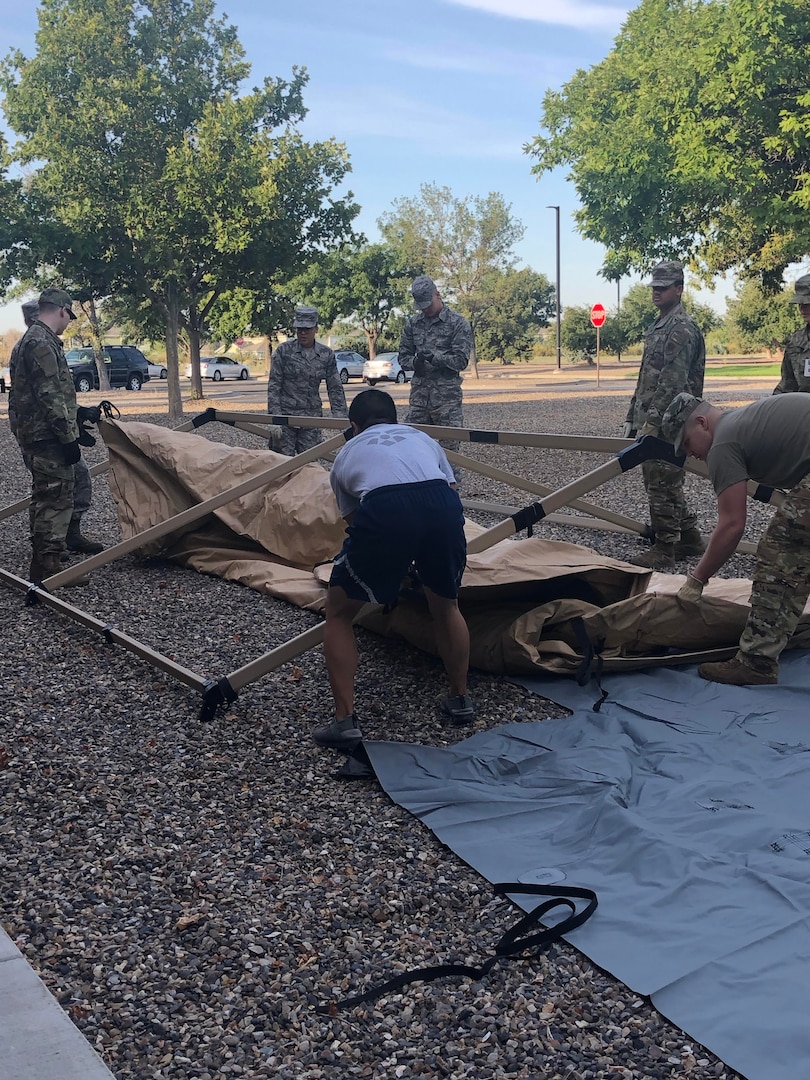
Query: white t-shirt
[382,455]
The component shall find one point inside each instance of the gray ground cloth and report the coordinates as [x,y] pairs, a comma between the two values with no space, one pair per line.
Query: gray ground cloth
[686,806]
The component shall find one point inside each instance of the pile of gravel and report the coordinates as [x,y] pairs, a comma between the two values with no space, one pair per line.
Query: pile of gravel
[190,891]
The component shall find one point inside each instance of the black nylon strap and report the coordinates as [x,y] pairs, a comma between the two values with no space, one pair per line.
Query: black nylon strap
[592,664]
[511,943]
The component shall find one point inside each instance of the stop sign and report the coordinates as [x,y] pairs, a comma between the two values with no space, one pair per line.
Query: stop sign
[598,315]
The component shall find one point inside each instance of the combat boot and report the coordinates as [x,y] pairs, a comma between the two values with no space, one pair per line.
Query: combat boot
[44,566]
[736,672]
[80,544]
[691,543]
[660,557]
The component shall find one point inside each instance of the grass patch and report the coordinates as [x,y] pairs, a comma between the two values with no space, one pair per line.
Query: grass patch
[734,371]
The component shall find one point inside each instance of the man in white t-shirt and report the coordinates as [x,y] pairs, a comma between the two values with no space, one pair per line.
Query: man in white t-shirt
[769,442]
[396,490]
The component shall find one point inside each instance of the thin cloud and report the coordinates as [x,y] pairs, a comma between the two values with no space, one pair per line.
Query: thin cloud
[581,16]
[359,112]
[528,69]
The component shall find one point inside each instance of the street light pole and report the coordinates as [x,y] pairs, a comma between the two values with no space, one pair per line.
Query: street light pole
[556,209]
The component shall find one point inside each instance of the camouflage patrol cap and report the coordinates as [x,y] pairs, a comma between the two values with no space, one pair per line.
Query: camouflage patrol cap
[305,317]
[674,419]
[422,290]
[30,309]
[802,293]
[667,273]
[57,297]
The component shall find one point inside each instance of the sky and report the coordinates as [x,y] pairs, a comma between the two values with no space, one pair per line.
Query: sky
[444,92]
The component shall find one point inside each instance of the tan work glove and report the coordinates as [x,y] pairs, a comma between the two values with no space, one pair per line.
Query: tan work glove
[648,429]
[628,431]
[274,437]
[691,590]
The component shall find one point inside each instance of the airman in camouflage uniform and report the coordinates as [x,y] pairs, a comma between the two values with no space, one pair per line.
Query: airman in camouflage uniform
[673,361]
[82,482]
[44,404]
[769,442]
[795,374]
[437,344]
[297,370]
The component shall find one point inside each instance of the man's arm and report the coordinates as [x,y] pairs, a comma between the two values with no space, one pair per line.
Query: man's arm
[49,388]
[334,387]
[274,383]
[407,349]
[732,510]
[456,356]
[787,378]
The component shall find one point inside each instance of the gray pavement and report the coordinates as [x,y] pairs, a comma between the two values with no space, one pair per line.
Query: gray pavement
[38,1041]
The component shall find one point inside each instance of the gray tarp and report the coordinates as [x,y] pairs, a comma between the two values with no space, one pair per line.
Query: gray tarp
[686,806]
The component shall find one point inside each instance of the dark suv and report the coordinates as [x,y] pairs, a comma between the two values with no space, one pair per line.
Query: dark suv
[126,366]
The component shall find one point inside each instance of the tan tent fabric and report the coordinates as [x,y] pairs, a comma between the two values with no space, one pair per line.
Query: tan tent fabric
[527,602]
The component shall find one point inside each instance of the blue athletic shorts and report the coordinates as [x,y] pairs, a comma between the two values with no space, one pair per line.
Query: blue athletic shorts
[399,525]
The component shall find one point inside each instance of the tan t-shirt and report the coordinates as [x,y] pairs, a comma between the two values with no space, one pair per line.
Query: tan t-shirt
[768,441]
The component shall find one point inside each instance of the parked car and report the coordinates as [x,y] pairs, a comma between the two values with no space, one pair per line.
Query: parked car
[157,371]
[349,364]
[385,367]
[219,368]
[126,366]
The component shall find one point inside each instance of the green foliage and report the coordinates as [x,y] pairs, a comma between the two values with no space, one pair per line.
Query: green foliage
[510,308]
[159,182]
[361,287]
[458,242]
[759,319]
[690,139]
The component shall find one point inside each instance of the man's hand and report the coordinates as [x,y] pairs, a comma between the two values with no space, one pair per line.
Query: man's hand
[71,452]
[649,429]
[274,437]
[628,431]
[691,591]
[86,415]
[419,366]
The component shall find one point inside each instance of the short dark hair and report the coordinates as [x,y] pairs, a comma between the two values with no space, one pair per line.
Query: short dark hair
[372,407]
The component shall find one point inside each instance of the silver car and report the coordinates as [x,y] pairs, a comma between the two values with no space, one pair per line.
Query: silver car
[219,368]
[385,368]
[349,364]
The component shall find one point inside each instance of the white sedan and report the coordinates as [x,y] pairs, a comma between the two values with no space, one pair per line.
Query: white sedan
[219,368]
[157,371]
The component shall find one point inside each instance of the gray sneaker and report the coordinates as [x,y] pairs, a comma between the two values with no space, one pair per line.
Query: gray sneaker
[458,710]
[342,734]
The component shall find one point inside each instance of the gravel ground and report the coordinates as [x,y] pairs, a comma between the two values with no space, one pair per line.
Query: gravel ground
[189,891]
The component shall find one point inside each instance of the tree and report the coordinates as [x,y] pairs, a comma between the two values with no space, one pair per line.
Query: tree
[458,242]
[363,287]
[691,138]
[757,319]
[511,307]
[168,187]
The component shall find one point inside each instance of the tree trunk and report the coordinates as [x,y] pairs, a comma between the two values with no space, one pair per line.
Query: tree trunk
[172,360]
[98,345]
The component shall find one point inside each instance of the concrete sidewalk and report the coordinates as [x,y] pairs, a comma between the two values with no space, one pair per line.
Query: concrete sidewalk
[38,1041]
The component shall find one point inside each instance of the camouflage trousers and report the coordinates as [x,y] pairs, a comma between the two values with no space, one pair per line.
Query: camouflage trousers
[669,514]
[297,440]
[781,581]
[82,489]
[438,403]
[51,500]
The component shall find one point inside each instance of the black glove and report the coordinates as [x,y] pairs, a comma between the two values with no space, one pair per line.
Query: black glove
[71,452]
[418,366]
[86,415]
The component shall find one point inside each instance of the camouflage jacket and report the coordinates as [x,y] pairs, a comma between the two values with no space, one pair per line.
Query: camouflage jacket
[795,374]
[294,387]
[42,402]
[673,362]
[447,335]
